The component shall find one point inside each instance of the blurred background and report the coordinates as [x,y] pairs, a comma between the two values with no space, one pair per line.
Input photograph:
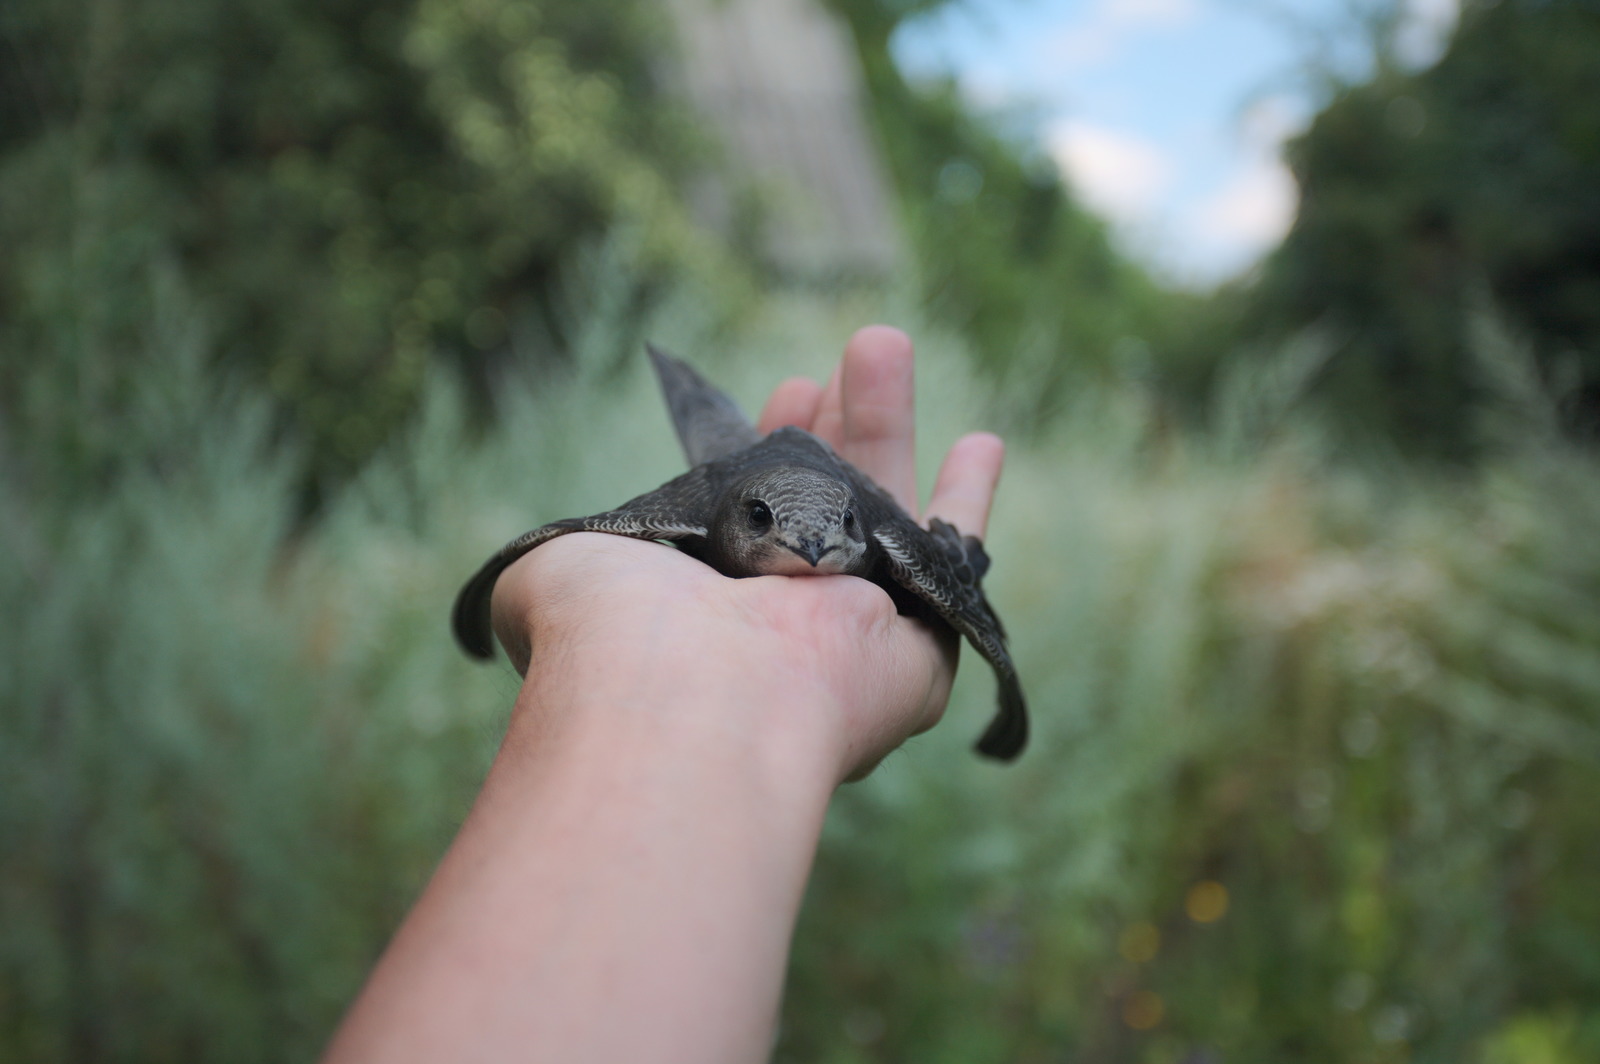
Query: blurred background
[1290,311]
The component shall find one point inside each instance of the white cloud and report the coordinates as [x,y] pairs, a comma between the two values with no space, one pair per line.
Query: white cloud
[1148,12]
[1254,206]
[1425,29]
[1121,175]
[1102,34]
[1268,122]
[1086,45]
[1251,211]
[988,88]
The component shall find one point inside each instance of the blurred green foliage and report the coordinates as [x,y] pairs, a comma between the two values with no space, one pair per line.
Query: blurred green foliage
[1318,748]
[1420,192]
[351,190]
[1314,775]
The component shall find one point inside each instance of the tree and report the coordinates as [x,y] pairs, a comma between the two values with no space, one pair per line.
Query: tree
[1422,194]
[351,189]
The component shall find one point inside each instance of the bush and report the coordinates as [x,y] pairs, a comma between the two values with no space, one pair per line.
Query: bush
[1313,776]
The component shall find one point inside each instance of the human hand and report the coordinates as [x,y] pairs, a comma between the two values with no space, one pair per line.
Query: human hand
[818,665]
[642,842]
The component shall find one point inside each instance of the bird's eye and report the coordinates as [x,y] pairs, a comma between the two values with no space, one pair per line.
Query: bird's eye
[849,518]
[760,516]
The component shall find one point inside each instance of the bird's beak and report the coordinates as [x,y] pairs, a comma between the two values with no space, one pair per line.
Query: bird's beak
[811,550]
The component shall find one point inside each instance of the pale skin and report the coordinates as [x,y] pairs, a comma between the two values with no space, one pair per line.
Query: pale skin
[625,887]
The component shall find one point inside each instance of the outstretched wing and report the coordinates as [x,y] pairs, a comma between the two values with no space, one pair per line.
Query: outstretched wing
[944,569]
[709,424]
[677,511]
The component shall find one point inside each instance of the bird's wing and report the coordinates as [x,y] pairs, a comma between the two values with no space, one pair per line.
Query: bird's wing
[709,424]
[677,511]
[944,569]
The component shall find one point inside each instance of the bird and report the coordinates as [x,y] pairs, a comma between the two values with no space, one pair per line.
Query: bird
[785,503]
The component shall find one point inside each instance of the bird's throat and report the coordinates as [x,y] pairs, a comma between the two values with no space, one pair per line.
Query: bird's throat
[787,563]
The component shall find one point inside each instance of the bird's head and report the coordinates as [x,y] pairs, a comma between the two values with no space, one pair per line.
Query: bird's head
[792,521]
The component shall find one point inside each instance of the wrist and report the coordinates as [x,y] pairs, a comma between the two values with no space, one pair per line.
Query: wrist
[655,692]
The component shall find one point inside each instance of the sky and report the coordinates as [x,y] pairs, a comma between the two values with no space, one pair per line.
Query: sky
[1167,117]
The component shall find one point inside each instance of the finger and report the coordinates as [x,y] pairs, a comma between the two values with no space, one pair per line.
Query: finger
[877,393]
[948,645]
[917,671]
[794,402]
[829,422]
[965,488]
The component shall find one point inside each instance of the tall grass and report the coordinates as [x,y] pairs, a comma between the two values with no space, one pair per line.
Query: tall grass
[1314,777]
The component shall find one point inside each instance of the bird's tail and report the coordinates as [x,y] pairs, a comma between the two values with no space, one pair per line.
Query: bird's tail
[710,425]
[1007,734]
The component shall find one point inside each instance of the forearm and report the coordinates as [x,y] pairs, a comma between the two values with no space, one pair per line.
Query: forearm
[624,888]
